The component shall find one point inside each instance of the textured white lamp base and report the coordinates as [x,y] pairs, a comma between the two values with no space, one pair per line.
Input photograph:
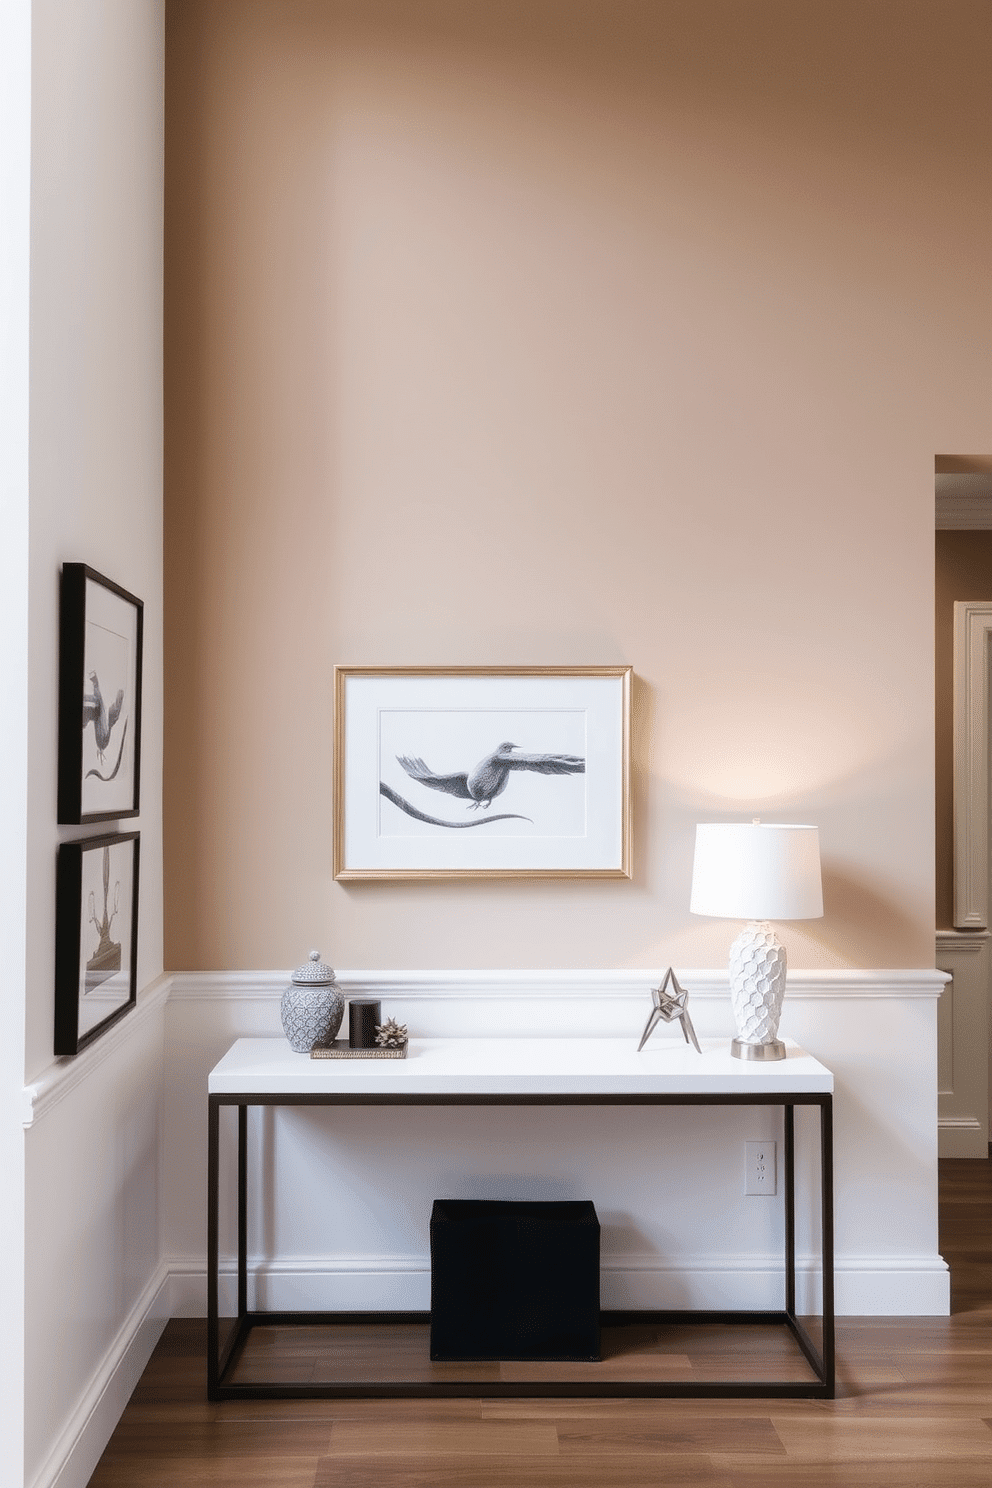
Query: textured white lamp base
[757,991]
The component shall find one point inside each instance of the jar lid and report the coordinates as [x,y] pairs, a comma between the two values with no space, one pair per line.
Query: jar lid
[314,970]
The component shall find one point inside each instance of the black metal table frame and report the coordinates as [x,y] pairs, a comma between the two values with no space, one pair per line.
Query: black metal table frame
[221,1361]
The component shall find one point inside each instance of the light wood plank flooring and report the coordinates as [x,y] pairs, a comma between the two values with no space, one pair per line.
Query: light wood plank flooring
[914,1410]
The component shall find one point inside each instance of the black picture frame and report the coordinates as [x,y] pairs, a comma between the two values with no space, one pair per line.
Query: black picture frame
[101,630]
[96,937]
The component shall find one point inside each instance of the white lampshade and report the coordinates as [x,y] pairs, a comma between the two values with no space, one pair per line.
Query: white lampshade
[757,871]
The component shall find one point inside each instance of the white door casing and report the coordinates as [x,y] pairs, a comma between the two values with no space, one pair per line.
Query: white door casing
[963,1020]
[972,632]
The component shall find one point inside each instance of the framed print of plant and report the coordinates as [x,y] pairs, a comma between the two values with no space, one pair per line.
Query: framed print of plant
[96,937]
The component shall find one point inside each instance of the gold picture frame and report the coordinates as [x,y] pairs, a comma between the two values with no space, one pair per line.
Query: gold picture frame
[481,772]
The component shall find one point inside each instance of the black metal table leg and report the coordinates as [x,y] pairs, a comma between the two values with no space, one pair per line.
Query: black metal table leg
[220,1358]
[789,1165]
[827,1237]
[242,1214]
[820,1357]
[213,1206]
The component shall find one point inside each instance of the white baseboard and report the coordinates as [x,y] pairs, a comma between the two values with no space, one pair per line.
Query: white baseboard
[962,1136]
[869,1286]
[77,1450]
[874,1286]
[864,1285]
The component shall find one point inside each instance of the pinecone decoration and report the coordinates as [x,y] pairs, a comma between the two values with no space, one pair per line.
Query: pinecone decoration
[390,1035]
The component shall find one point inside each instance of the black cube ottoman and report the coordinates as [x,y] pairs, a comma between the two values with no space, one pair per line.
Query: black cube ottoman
[514,1279]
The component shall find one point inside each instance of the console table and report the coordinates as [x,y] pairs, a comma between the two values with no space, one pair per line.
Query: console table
[519,1072]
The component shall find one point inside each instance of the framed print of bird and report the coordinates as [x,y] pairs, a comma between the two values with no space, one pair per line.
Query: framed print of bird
[452,772]
[100,644]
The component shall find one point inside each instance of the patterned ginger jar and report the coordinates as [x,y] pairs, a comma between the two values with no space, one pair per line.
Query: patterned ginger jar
[312,1006]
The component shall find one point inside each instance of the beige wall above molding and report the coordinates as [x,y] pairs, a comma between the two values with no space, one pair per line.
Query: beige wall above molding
[570,335]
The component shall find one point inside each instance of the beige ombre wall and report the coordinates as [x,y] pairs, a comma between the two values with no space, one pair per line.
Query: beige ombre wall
[561,331]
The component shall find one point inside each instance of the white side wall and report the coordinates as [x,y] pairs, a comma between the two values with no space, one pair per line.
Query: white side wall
[91,1221]
[15,210]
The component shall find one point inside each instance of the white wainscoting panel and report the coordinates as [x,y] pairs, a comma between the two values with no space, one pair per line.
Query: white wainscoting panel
[97,1288]
[963,1044]
[340,1200]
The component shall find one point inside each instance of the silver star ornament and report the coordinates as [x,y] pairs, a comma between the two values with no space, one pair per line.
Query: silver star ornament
[669,1006]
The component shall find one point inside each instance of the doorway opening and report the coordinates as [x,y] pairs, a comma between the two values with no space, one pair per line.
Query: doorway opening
[963,696]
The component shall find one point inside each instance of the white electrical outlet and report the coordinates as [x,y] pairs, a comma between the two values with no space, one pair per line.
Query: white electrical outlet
[759,1167]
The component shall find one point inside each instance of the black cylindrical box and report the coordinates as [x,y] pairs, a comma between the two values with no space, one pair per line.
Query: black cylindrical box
[363,1014]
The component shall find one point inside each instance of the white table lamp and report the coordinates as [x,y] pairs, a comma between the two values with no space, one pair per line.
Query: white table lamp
[757,872]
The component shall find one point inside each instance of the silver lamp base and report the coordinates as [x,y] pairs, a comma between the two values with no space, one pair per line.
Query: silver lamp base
[774,1049]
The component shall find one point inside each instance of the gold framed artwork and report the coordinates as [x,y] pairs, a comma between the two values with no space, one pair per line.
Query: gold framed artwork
[481,772]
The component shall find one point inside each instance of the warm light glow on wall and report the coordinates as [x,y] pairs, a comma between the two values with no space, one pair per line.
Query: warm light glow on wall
[746,757]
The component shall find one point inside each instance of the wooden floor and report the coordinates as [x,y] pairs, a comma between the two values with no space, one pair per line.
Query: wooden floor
[914,1410]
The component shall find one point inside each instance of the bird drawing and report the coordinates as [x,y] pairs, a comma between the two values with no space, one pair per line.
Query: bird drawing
[488,780]
[103,719]
[481,785]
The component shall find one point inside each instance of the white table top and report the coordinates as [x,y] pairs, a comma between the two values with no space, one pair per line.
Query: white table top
[518,1066]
